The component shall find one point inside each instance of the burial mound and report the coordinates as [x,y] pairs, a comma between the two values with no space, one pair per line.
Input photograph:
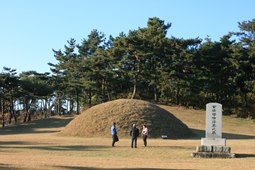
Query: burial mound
[97,121]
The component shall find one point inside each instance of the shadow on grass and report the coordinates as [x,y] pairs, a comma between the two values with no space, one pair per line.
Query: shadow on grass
[2,143]
[93,168]
[171,147]
[198,134]
[245,155]
[7,166]
[41,146]
[31,127]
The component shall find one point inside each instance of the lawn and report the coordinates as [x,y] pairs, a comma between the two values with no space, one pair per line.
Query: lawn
[38,145]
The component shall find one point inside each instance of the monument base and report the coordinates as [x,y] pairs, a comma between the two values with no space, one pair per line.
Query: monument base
[213,141]
[213,155]
[204,151]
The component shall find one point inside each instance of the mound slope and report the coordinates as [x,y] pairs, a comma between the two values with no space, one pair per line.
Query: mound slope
[96,121]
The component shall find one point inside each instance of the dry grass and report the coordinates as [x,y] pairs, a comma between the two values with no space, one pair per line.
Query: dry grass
[38,145]
[231,127]
[96,121]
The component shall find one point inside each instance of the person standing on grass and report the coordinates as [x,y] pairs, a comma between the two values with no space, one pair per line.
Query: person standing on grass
[114,134]
[145,135]
[134,133]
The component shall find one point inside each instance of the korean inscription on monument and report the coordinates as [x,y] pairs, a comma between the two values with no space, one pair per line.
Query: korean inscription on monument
[213,120]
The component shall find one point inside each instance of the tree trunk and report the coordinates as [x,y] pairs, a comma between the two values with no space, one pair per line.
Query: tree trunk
[26,108]
[2,109]
[77,102]
[155,94]
[13,113]
[245,99]
[71,106]
[134,88]
[178,96]
[58,106]
[103,89]
[27,115]
[90,97]
[108,94]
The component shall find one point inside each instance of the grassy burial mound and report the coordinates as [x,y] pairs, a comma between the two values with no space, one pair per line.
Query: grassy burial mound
[97,121]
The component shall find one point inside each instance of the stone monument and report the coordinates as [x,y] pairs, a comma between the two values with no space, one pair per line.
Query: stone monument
[213,145]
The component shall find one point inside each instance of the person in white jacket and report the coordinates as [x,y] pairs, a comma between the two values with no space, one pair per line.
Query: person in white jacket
[145,134]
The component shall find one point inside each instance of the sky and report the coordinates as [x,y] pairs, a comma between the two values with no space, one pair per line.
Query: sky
[30,29]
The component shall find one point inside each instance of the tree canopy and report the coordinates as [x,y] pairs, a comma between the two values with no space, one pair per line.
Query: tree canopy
[145,64]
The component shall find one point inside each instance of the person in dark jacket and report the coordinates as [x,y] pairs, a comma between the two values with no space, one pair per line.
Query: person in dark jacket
[134,133]
[114,134]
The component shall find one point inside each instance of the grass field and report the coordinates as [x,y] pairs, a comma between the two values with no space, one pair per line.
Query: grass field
[38,145]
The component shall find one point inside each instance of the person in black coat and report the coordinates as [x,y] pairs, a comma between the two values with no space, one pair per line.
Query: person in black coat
[134,133]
